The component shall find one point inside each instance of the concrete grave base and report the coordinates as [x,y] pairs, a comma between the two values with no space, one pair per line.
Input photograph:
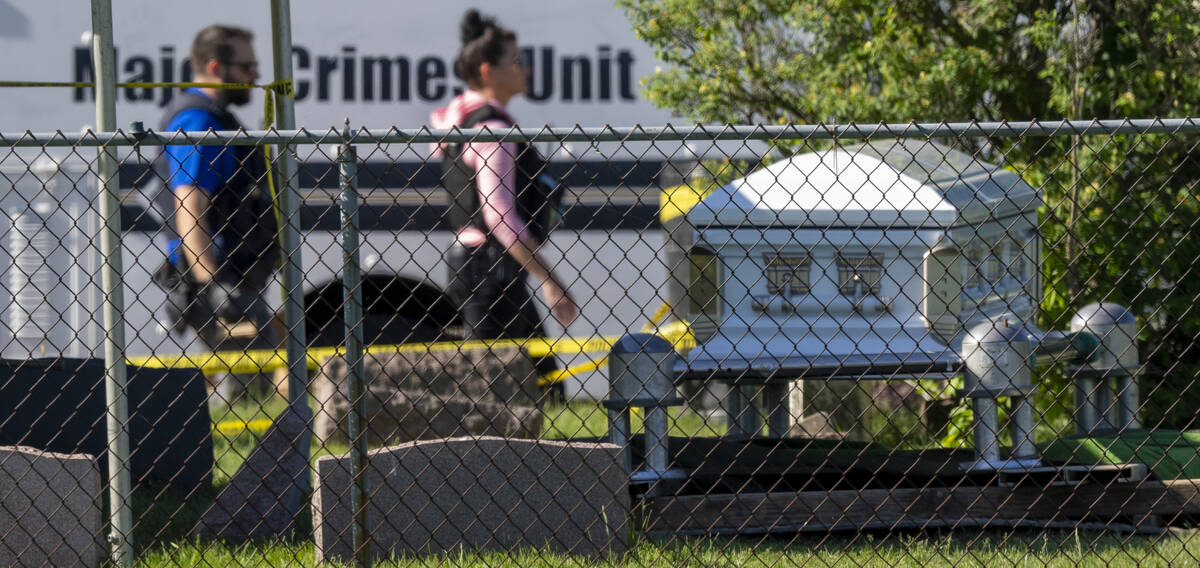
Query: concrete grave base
[49,509]
[426,395]
[475,494]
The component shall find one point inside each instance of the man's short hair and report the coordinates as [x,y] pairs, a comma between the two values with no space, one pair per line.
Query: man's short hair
[216,42]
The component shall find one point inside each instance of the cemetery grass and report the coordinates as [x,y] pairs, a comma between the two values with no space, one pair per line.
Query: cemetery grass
[163,518]
[963,549]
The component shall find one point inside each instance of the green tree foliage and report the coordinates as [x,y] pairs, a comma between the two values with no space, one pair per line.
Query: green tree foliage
[1121,214]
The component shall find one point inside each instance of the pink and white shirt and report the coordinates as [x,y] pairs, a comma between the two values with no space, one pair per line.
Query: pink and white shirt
[494,164]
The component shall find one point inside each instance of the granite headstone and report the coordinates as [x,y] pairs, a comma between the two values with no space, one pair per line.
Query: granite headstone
[49,509]
[477,494]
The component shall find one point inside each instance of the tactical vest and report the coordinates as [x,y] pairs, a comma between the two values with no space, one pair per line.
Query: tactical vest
[240,216]
[537,197]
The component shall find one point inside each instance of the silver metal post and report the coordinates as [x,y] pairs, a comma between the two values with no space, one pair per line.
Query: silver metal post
[656,439]
[795,404]
[620,429]
[1113,359]
[119,484]
[1127,403]
[741,412]
[780,410]
[749,420]
[734,407]
[1021,426]
[291,277]
[353,310]
[641,372]
[1106,405]
[619,434]
[998,363]
[987,430]
[1087,415]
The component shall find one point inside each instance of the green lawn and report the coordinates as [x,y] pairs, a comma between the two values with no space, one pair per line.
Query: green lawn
[961,550]
[164,518]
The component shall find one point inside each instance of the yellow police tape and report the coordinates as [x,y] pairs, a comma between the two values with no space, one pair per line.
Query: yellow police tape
[684,342]
[284,87]
[679,334]
[237,426]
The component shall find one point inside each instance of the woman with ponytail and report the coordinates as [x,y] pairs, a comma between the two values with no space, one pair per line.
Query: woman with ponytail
[498,228]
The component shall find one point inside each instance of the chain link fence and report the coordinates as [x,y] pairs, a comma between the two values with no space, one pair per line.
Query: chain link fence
[905,344]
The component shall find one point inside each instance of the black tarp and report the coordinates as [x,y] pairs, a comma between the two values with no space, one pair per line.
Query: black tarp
[58,405]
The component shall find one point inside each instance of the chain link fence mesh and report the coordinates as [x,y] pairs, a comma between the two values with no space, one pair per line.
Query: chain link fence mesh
[903,344]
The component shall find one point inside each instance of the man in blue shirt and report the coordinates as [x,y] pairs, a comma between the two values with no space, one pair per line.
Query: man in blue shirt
[223,249]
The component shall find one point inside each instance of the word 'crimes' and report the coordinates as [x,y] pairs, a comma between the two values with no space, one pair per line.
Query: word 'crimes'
[605,76]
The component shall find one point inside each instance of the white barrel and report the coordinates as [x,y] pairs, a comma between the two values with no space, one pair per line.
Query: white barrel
[50,263]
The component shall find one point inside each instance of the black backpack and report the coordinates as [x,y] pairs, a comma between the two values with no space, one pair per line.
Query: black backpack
[538,196]
[242,216]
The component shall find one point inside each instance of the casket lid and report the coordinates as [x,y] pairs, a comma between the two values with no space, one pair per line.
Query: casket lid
[882,183]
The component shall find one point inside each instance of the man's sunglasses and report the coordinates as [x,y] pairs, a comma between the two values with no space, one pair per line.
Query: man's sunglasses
[247,66]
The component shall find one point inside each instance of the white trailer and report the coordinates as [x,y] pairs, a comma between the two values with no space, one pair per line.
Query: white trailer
[381,64]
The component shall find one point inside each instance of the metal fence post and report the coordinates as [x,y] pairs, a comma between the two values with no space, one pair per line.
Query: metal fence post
[120,537]
[353,310]
[291,275]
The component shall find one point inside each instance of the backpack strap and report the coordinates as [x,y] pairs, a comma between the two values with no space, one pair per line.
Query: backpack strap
[484,114]
[459,180]
[188,100]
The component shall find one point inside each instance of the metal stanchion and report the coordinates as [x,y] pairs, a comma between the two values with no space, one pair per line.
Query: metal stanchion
[734,406]
[120,537]
[742,414]
[353,310]
[619,427]
[986,433]
[641,368]
[1087,416]
[998,359]
[1021,428]
[999,356]
[777,396]
[1106,390]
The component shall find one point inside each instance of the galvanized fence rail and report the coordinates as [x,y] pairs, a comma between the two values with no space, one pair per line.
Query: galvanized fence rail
[931,342]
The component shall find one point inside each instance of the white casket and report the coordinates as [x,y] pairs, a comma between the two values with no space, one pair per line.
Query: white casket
[860,261]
